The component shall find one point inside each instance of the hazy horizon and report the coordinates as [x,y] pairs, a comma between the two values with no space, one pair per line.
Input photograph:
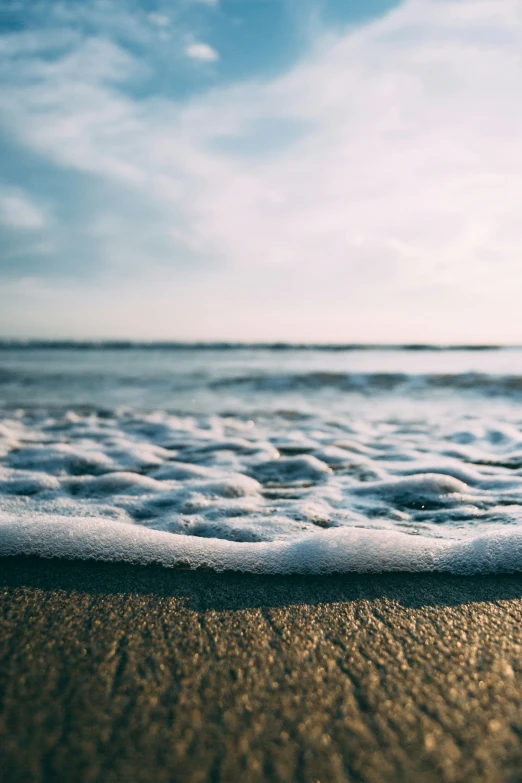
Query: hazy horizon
[111,342]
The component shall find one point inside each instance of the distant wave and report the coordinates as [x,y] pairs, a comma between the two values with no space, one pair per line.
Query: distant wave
[354,382]
[377,382]
[124,345]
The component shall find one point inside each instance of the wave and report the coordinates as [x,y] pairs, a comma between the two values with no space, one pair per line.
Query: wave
[367,383]
[96,391]
[332,551]
[486,384]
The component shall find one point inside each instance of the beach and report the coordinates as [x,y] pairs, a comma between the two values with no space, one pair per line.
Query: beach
[113,672]
[260,391]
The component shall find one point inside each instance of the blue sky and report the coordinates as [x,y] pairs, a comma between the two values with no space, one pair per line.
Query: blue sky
[261,169]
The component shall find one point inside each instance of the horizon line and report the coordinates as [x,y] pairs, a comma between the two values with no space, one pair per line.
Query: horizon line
[126,344]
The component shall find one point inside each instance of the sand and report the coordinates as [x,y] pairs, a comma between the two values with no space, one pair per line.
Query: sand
[127,673]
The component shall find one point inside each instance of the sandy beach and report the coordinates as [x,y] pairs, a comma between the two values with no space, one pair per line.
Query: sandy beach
[125,673]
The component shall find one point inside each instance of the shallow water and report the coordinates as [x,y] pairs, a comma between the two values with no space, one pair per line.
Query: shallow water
[264,459]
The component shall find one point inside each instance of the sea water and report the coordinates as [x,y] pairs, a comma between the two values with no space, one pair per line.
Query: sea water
[274,459]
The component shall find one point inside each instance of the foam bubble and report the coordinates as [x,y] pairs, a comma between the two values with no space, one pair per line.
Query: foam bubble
[425,490]
[61,458]
[112,484]
[290,470]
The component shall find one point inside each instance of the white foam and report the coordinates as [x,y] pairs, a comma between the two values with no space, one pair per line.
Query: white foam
[339,551]
[274,496]
[290,470]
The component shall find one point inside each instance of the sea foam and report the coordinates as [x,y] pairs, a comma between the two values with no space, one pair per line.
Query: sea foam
[268,497]
[271,461]
[332,551]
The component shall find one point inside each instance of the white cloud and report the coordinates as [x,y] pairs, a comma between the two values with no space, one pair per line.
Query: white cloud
[20,211]
[201,51]
[160,20]
[388,209]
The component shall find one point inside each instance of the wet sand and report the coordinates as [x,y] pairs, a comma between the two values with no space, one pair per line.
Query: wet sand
[116,673]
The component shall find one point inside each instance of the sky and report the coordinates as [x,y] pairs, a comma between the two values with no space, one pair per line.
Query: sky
[259,170]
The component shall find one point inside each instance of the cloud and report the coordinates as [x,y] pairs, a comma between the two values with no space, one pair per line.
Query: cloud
[371,192]
[19,211]
[161,20]
[202,51]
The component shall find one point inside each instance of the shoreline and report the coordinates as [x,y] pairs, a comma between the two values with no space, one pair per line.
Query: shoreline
[114,672]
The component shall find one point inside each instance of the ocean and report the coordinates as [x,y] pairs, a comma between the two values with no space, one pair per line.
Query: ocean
[269,459]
